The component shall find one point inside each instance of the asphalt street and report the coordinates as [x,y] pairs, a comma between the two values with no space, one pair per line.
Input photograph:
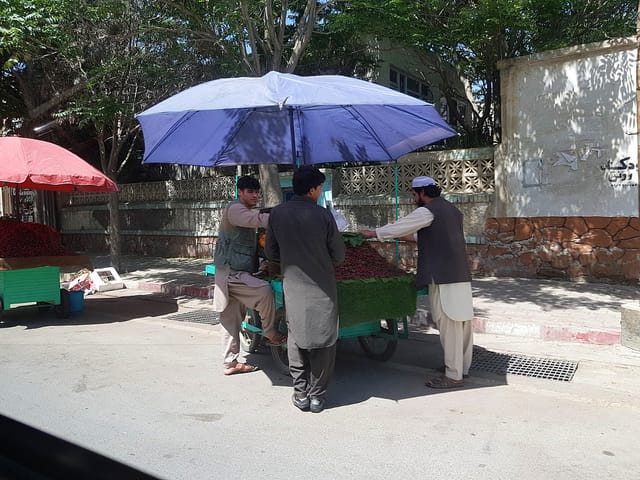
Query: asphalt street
[124,379]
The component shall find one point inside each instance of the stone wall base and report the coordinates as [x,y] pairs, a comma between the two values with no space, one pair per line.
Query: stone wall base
[600,249]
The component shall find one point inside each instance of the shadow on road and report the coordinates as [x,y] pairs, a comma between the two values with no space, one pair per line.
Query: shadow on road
[358,378]
[98,309]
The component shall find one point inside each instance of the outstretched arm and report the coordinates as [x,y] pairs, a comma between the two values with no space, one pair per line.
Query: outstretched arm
[403,228]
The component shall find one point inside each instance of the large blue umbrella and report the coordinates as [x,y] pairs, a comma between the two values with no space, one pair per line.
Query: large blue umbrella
[285,118]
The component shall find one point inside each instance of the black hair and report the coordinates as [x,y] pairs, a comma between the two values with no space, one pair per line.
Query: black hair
[248,182]
[431,191]
[305,178]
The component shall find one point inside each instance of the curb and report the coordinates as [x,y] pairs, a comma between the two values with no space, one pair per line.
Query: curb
[171,289]
[546,332]
[480,325]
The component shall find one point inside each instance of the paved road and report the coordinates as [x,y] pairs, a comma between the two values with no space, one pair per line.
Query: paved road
[124,380]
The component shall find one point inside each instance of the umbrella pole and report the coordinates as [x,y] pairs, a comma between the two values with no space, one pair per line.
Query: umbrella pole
[294,153]
[16,204]
[397,210]
[238,175]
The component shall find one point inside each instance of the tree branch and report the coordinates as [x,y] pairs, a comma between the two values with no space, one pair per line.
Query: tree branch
[255,68]
[302,35]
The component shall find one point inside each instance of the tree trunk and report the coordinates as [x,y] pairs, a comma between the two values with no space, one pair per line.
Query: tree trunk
[270,185]
[269,177]
[114,230]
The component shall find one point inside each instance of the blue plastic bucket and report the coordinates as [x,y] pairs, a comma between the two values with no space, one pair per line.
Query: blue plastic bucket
[76,301]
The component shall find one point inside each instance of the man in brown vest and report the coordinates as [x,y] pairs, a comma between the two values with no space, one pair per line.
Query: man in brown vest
[436,225]
[236,288]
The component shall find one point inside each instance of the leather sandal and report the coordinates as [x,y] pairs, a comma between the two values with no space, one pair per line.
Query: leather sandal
[444,382]
[240,368]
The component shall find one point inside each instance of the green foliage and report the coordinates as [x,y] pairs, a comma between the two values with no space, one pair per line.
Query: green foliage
[353,238]
[473,35]
[30,34]
[30,28]
[97,63]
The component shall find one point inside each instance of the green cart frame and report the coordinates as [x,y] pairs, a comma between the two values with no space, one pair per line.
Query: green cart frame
[34,286]
[374,311]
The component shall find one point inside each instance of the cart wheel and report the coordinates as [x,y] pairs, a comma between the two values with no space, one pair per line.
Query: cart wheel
[280,354]
[281,359]
[379,347]
[64,309]
[250,341]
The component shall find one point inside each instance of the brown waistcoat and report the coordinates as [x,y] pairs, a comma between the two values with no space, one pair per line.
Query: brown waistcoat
[442,254]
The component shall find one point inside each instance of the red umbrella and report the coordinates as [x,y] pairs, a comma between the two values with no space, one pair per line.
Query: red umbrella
[39,165]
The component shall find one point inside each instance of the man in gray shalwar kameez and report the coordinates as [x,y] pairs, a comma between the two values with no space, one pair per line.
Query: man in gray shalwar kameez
[304,238]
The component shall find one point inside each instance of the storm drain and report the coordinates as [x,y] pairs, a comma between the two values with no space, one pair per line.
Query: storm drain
[196,316]
[502,363]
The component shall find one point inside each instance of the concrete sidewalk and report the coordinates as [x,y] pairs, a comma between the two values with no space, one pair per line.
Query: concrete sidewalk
[532,308]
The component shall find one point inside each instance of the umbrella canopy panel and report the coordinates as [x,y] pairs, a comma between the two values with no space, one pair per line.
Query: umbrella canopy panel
[40,165]
[259,120]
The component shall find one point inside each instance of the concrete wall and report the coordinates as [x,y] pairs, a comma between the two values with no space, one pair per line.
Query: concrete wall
[569,133]
[165,229]
[374,211]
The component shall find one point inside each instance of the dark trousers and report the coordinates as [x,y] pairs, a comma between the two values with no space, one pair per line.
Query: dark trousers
[311,369]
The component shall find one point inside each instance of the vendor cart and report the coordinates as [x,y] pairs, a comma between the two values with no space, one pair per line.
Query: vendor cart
[311,120]
[36,281]
[373,310]
[39,165]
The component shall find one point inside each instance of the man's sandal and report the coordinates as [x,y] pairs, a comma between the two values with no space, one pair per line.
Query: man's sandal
[240,368]
[444,382]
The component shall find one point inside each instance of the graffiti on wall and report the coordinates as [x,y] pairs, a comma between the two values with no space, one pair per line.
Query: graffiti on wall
[621,172]
[570,158]
[618,172]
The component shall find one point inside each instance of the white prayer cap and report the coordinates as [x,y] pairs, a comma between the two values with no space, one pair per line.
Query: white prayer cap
[422,182]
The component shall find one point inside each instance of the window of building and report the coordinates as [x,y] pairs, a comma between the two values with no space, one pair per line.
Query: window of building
[410,85]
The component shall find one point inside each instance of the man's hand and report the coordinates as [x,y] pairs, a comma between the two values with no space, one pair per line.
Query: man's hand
[368,233]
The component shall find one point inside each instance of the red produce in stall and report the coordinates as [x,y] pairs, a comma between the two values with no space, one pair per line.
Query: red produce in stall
[26,239]
[363,261]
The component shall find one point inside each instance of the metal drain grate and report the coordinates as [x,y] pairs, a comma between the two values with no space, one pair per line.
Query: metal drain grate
[502,363]
[196,316]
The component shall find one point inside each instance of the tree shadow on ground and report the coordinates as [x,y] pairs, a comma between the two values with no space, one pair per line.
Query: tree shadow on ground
[552,294]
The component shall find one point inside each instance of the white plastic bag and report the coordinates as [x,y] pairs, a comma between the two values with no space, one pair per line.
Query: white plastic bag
[341,222]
